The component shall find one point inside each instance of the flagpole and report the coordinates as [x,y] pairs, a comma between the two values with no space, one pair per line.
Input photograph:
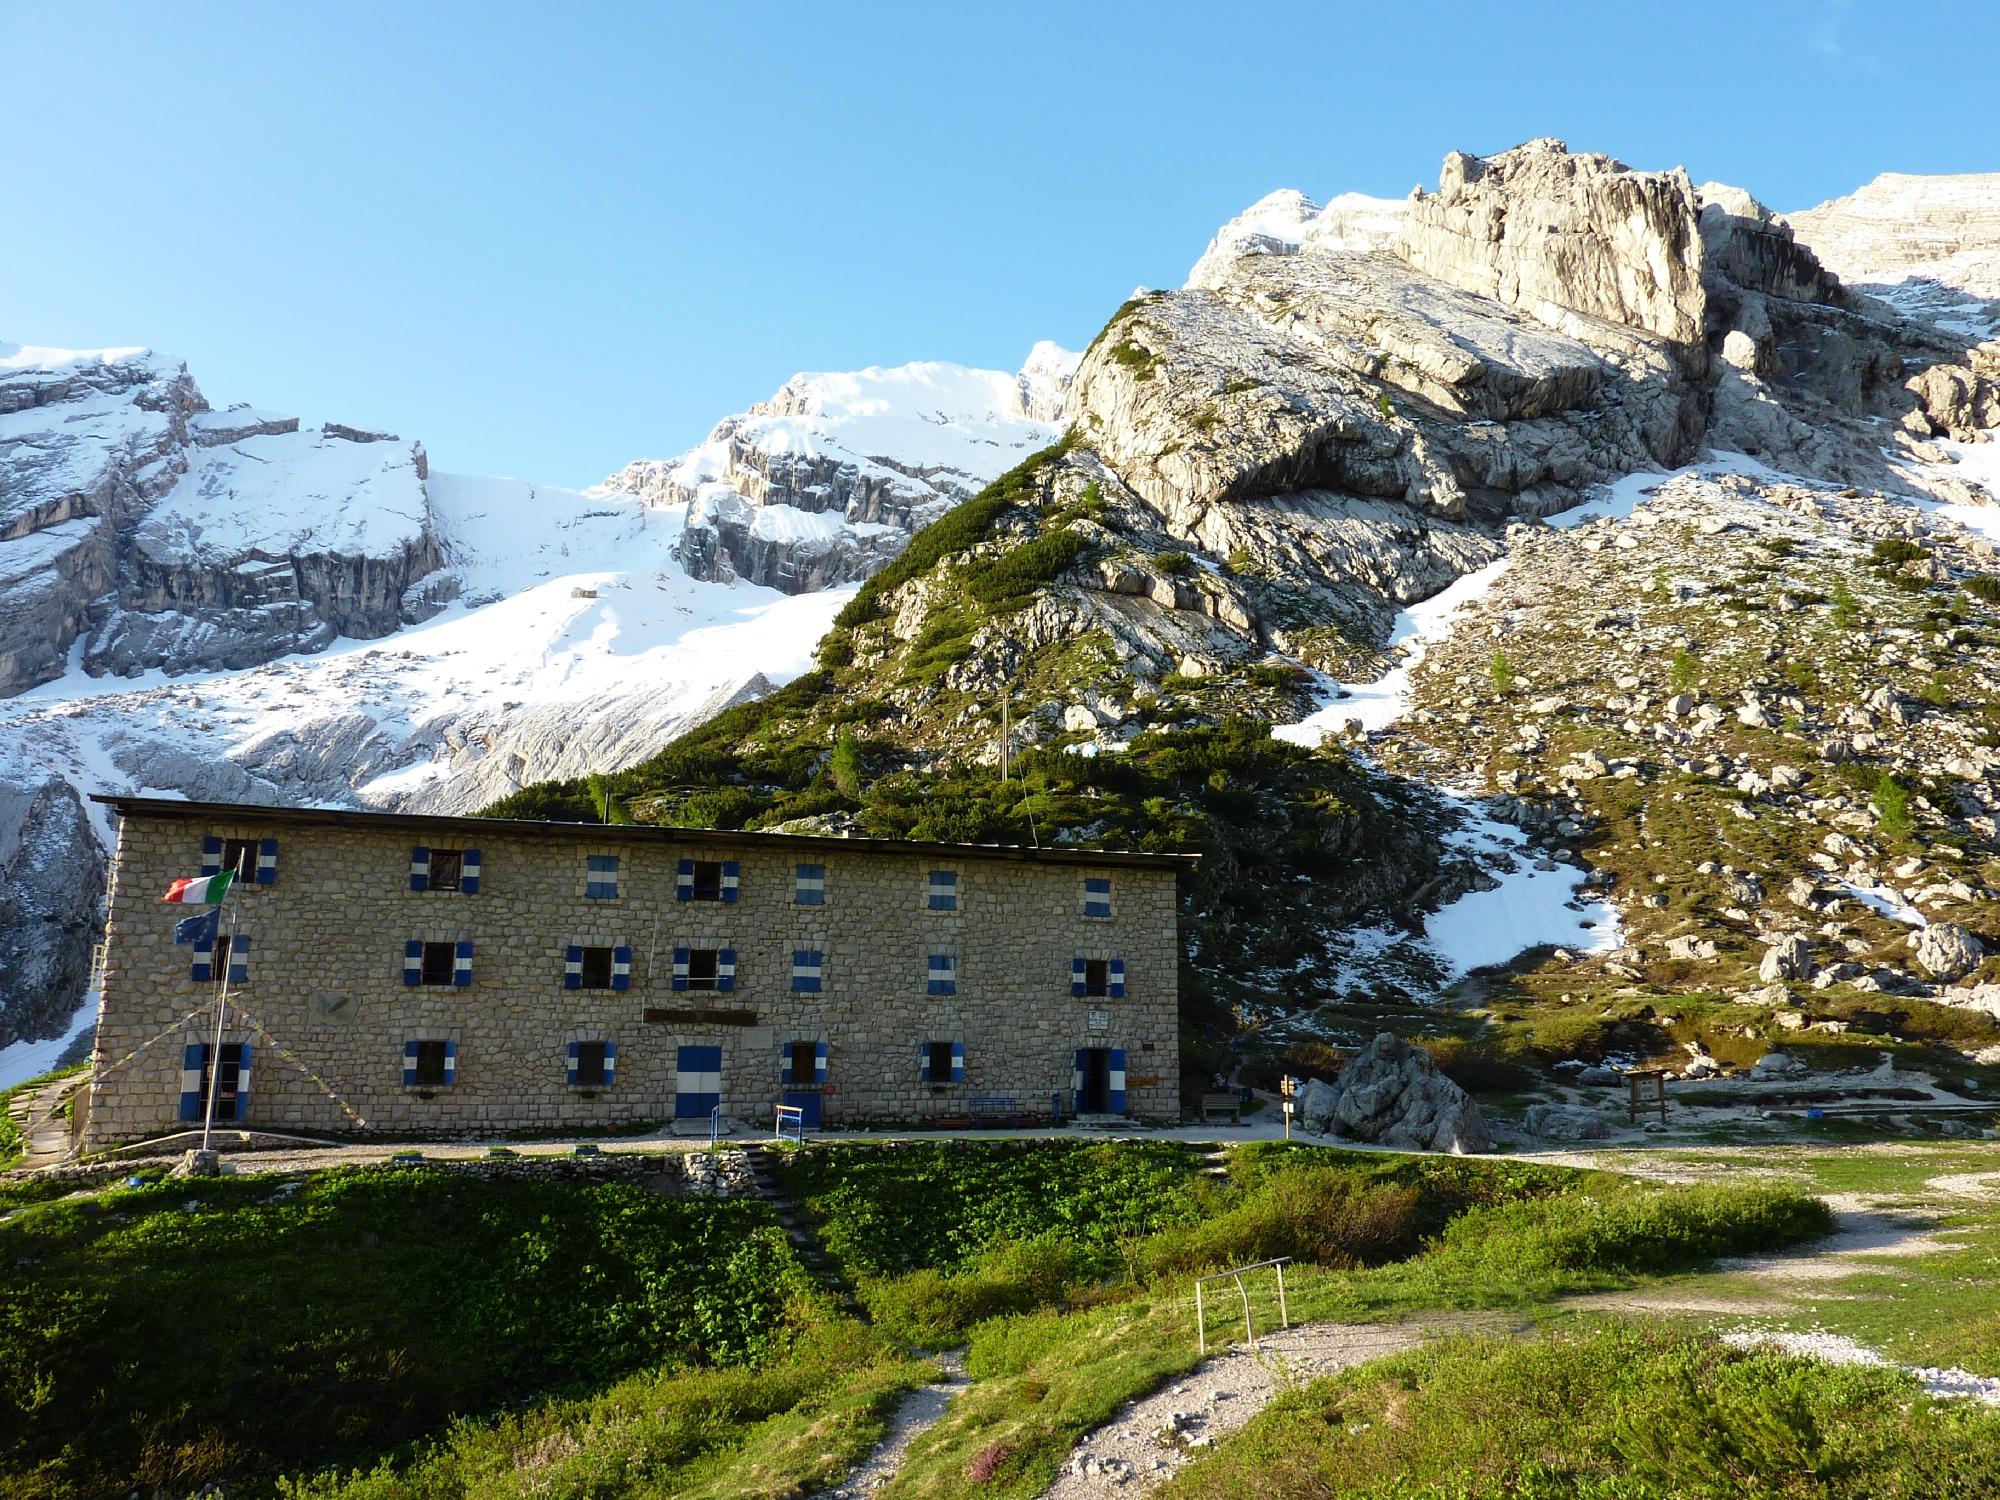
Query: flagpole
[221,1014]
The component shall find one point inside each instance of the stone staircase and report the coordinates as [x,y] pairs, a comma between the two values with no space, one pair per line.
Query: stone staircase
[762,1163]
[37,1114]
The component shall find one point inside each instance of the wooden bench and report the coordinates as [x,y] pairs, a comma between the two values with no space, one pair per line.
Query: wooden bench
[995,1109]
[1233,1103]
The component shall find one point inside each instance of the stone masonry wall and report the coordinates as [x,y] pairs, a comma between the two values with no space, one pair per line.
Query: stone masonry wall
[326,978]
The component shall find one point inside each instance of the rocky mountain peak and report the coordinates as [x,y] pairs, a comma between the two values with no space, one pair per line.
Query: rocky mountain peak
[824,482]
[1287,222]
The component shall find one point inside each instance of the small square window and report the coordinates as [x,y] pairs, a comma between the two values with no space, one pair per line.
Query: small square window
[219,967]
[809,885]
[447,869]
[596,969]
[707,880]
[430,1058]
[1097,896]
[940,1062]
[590,1069]
[942,975]
[1097,976]
[943,890]
[804,1063]
[601,877]
[702,968]
[438,965]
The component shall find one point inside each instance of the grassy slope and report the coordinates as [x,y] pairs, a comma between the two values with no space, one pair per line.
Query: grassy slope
[171,1334]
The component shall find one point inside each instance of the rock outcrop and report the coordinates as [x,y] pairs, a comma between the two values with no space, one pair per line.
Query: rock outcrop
[1555,232]
[1392,1093]
[50,886]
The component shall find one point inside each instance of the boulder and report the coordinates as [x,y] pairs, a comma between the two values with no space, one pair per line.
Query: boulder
[1566,1122]
[1945,950]
[1789,958]
[1393,1094]
[1776,1065]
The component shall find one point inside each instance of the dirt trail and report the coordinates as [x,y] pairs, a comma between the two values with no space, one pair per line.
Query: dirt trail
[1141,1447]
[921,1410]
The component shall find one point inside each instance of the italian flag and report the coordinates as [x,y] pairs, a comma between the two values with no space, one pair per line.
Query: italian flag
[202,890]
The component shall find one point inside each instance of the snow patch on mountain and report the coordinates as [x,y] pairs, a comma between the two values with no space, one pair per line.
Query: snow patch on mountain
[823,483]
[1287,222]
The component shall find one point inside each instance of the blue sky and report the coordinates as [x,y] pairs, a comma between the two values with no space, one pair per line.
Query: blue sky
[548,239]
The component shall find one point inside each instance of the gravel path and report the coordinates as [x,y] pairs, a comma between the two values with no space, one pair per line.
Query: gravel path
[919,1412]
[1148,1440]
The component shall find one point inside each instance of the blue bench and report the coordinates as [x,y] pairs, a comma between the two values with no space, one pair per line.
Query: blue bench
[994,1109]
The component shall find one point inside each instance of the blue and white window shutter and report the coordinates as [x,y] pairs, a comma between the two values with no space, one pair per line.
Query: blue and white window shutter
[621,967]
[732,879]
[202,969]
[420,868]
[211,854]
[461,963]
[725,968]
[1079,982]
[413,961]
[191,1055]
[600,880]
[468,873]
[684,881]
[1097,896]
[944,890]
[958,1062]
[1116,988]
[819,1063]
[573,966]
[680,966]
[807,968]
[943,976]
[610,1062]
[809,885]
[239,958]
[267,861]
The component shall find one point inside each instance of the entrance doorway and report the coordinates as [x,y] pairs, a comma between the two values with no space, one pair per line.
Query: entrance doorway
[697,1082]
[1098,1079]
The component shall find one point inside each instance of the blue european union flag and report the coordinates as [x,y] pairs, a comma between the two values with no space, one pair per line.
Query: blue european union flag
[198,930]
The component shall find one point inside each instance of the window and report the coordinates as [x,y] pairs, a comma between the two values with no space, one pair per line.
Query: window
[1089,977]
[428,1063]
[943,974]
[807,967]
[943,890]
[940,1062]
[704,968]
[249,860]
[1097,896]
[597,967]
[219,966]
[430,963]
[809,885]
[600,880]
[590,1071]
[708,880]
[444,870]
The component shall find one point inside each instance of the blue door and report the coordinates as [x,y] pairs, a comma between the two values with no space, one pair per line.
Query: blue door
[807,1101]
[697,1082]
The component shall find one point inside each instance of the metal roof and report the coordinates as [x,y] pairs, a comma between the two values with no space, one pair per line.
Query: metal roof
[175,809]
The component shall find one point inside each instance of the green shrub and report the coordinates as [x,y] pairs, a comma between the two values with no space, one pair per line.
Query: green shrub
[1891,801]
[1137,358]
[1479,1067]
[1008,580]
[1174,564]
[1321,1217]
[1684,672]
[930,1309]
[846,765]
[1982,587]
[1894,551]
[1501,671]
[1846,608]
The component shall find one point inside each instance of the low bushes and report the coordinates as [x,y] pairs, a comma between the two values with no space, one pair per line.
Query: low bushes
[1614,1413]
[1324,1218]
